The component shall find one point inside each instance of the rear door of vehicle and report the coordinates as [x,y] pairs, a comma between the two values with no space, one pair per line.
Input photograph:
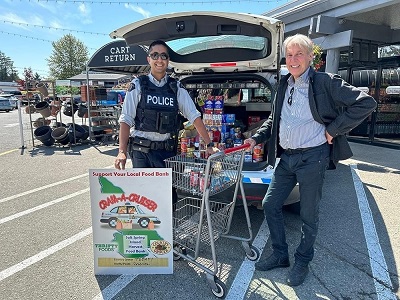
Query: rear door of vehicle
[211,41]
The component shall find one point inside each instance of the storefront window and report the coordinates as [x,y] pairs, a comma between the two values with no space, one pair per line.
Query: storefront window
[388,112]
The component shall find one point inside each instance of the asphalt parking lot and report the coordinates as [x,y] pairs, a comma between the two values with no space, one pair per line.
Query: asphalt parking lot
[46,253]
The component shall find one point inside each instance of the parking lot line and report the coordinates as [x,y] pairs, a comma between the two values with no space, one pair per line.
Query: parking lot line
[115,287]
[44,205]
[45,186]
[245,274]
[9,151]
[41,188]
[43,254]
[383,284]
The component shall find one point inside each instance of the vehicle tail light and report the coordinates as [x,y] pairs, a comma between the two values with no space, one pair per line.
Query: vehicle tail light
[228,64]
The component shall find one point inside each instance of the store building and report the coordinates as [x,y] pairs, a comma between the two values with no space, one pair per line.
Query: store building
[361,42]
[107,80]
[9,86]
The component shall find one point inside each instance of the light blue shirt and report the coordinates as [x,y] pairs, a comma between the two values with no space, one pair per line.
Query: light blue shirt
[297,127]
[128,113]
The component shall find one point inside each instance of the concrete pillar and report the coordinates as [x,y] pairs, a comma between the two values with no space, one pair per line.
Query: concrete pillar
[332,60]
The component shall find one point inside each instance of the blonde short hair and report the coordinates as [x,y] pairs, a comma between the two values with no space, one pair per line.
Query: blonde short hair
[304,42]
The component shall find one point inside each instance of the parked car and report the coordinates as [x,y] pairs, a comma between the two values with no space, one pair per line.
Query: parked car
[230,55]
[17,94]
[5,104]
[12,98]
[128,212]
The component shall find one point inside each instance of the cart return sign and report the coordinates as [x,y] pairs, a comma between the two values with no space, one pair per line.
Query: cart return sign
[132,221]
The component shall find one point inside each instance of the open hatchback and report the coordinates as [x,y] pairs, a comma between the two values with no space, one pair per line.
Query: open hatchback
[232,56]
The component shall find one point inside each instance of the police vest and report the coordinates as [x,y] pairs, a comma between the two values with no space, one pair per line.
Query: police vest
[157,110]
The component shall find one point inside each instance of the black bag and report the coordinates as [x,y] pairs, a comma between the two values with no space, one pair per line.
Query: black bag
[139,144]
[140,148]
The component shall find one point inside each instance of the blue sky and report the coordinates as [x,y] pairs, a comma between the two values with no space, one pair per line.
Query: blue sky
[27,28]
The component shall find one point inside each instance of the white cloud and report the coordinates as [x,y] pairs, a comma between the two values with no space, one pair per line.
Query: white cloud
[85,13]
[47,5]
[36,20]
[55,24]
[139,10]
[13,18]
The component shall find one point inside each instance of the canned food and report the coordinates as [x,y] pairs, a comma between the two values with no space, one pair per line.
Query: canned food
[190,152]
[232,132]
[228,143]
[248,157]
[230,118]
[202,183]
[238,133]
[184,144]
[194,178]
[216,184]
[258,153]
[258,149]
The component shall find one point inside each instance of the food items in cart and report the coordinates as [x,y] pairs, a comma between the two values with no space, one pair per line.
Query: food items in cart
[202,183]
[194,178]
[258,152]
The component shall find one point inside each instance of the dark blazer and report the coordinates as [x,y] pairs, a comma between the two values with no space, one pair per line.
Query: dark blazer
[333,102]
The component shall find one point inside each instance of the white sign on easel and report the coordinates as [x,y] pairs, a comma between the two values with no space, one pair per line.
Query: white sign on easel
[132,221]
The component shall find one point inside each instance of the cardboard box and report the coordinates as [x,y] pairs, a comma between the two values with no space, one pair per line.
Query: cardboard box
[186,133]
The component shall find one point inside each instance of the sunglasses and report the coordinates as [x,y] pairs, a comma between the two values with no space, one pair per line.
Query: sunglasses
[156,55]
[290,99]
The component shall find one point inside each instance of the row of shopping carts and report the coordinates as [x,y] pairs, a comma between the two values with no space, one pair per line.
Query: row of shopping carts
[198,221]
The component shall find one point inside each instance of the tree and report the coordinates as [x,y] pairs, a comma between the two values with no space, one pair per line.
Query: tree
[29,78]
[69,57]
[28,74]
[37,77]
[7,70]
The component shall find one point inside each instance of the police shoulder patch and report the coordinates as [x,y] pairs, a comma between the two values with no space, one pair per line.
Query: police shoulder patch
[131,87]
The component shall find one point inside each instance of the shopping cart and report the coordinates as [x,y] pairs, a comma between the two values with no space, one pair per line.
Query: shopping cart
[199,221]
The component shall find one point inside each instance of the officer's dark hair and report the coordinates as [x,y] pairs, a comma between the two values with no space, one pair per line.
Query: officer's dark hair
[158,42]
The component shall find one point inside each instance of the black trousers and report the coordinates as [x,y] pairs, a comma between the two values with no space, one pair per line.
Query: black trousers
[153,159]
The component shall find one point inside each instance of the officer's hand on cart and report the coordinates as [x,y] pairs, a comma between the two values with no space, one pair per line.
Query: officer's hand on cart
[250,142]
[211,150]
[120,161]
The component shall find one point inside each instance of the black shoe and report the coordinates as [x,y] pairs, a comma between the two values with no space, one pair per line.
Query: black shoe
[272,262]
[297,274]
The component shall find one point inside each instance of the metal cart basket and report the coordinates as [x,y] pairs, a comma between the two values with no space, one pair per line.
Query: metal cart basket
[198,220]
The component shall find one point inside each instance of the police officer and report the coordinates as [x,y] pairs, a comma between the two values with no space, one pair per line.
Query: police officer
[149,116]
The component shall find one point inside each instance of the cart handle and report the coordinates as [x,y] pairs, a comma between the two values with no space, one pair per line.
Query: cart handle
[237,148]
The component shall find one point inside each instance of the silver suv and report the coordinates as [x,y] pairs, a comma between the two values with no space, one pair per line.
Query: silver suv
[5,104]
[13,100]
[230,55]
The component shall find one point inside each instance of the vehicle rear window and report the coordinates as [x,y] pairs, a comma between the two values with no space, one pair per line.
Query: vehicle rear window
[192,45]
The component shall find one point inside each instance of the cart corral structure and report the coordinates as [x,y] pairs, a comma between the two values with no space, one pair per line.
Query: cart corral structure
[198,221]
[118,58]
